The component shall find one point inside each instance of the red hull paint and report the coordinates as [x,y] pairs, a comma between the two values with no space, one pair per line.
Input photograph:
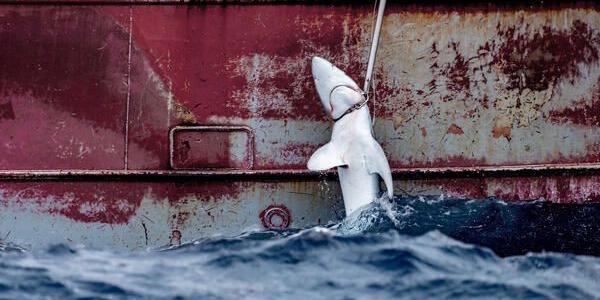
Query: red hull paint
[471,98]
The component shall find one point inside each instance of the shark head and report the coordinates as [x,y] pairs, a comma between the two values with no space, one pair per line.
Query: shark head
[338,92]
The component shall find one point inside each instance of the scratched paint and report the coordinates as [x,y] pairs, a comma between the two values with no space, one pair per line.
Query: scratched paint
[459,79]
[91,88]
[558,189]
[441,71]
[138,215]
[497,78]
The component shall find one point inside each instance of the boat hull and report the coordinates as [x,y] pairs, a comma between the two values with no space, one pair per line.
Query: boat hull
[135,125]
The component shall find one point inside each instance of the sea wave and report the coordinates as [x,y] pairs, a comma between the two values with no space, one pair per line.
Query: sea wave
[400,249]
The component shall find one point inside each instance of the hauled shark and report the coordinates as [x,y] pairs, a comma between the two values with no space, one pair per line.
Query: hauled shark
[359,158]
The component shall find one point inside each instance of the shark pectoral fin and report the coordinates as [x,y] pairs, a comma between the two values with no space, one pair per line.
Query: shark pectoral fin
[377,164]
[324,158]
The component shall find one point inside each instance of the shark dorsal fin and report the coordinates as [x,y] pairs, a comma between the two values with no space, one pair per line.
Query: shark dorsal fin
[326,157]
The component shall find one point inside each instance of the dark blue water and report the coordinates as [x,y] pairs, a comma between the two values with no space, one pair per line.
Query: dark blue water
[402,249]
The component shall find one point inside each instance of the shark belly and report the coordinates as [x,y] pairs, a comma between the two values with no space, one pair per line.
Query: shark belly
[359,188]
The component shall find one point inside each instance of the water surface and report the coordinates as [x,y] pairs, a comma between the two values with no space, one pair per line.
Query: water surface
[401,249]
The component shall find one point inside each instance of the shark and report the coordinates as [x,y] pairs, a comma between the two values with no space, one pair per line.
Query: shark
[359,158]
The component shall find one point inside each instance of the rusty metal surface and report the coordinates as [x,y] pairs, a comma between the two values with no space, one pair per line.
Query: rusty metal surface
[218,174]
[61,100]
[558,188]
[142,214]
[463,96]
[467,95]
[470,100]
[139,214]
[437,5]
[211,147]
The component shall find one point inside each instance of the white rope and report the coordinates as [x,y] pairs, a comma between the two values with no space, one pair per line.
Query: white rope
[373,52]
[367,96]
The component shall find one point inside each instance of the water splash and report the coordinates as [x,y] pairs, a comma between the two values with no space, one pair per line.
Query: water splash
[507,228]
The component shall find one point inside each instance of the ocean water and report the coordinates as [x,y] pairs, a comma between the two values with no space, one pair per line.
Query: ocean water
[405,248]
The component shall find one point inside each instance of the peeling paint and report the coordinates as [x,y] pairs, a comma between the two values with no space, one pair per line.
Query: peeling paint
[136,215]
[454,87]
[454,129]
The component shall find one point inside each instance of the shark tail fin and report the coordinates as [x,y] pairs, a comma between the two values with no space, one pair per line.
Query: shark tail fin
[324,158]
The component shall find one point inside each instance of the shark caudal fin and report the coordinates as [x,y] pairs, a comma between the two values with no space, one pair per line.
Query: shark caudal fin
[325,158]
[377,164]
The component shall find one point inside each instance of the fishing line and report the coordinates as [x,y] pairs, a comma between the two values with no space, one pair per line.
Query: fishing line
[372,85]
[373,51]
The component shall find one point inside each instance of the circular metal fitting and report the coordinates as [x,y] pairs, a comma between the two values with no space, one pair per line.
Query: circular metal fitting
[276,217]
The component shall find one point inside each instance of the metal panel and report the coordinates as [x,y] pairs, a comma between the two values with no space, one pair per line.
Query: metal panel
[211,147]
[457,87]
[141,214]
[63,87]
[147,211]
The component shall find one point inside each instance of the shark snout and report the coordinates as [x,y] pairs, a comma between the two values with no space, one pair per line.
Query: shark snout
[321,70]
[320,65]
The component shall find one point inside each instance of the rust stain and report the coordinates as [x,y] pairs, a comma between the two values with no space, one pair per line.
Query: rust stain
[276,217]
[6,111]
[181,218]
[398,121]
[500,130]
[295,154]
[520,65]
[475,188]
[593,150]
[455,129]
[457,72]
[463,73]
[175,238]
[557,189]
[583,112]
[450,161]
[184,114]
[110,203]
[503,126]
[537,61]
